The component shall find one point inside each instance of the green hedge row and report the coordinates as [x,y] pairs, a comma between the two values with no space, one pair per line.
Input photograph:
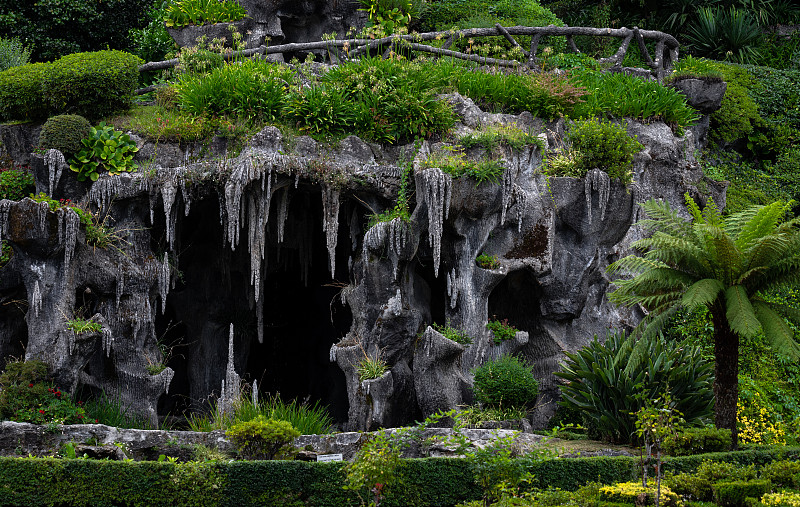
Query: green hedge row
[92,84]
[426,482]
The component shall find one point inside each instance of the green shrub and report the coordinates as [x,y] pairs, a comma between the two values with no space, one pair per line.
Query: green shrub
[699,485]
[597,144]
[251,89]
[783,474]
[203,12]
[445,14]
[152,42]
[487,261]
[262,438]
[105,149]
[697,441]
[320,110]
[27,394]
[622,95]
[458,166]
[607,384]
[16,183]
[64,133]
[453,334]
[733,494]
[21,92]
[501,330]
[13,53]
[371,368]
[496,136]
[505,382]
[630,492]
[93,85]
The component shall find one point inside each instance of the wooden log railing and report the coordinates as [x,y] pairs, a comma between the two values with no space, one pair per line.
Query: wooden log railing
[666,50]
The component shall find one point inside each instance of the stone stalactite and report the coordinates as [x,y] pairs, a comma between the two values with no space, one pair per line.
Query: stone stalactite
[597,180]
[330,222]
[55,165]
[437,198]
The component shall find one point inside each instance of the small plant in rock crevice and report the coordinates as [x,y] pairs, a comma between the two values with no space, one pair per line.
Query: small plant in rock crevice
[501,330]
[458,166]
[79,325]
[487,261]
[495,136]
[453,334]
[369,368]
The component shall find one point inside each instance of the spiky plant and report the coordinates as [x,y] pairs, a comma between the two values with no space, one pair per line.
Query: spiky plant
[725,264]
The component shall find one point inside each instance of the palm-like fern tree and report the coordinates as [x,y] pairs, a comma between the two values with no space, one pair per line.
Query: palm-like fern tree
[725,264]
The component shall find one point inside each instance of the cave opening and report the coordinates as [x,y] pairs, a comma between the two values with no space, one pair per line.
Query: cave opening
[436,287]
[517,298]
[303,313]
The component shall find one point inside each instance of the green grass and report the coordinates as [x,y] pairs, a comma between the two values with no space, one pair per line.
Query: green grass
[453,334]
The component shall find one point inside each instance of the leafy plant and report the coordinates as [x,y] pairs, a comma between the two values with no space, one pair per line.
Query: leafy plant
[607,383]
[64,133]
[203,12]
[262,438]
[501,330]
[487,261]
[698,486]
[375,466]
[27,394]
[84,326]
[105,149]
[6,252]
[15,182]
[97,233]
[457,166]
[725,34]
[13,53]
[453,334]
[151,42]
[505,382]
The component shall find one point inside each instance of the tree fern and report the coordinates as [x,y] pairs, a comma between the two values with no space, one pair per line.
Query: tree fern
[721,263]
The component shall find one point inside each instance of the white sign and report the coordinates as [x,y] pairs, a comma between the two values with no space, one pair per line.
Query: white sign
[329,457]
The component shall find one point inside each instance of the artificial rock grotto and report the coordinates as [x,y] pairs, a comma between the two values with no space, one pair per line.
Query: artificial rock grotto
[276,242]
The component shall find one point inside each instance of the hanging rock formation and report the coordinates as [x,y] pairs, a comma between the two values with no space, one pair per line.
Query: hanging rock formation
[276,242]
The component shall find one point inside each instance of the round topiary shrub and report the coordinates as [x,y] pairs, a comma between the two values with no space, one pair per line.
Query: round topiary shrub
[505,382]
[64,133]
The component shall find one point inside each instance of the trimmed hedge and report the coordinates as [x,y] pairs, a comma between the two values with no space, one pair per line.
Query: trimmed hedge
[425,482]
[21,92]
[92,84]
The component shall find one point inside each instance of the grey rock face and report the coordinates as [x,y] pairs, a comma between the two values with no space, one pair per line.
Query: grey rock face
[278,242]
[703,95]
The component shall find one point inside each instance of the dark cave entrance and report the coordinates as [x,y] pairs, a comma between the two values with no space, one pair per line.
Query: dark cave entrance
[437,288]
[517,299]
[302,310]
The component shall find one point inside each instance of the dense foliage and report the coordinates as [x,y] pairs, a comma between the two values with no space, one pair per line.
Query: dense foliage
[64,133]
[608,383]
[54,28]
[28,394]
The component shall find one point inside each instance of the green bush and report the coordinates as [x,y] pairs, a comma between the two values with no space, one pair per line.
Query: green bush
[598,144]
[262,438]
[733,494]
[700,485]
[252,89]
[622,95]
[27,394]
[783,473]
[93,85]
[607,384]
[16,183]
[64,133]
[21,92]
[13,53]
[697,441]
[505,382]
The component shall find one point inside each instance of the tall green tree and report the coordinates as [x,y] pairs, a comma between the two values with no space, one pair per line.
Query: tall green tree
[725,264]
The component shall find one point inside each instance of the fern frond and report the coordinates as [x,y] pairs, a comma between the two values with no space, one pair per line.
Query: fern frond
[762,223]
[711,213]
[777,332]
[663,218]
[739,312]
[702,292]
[694,209]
